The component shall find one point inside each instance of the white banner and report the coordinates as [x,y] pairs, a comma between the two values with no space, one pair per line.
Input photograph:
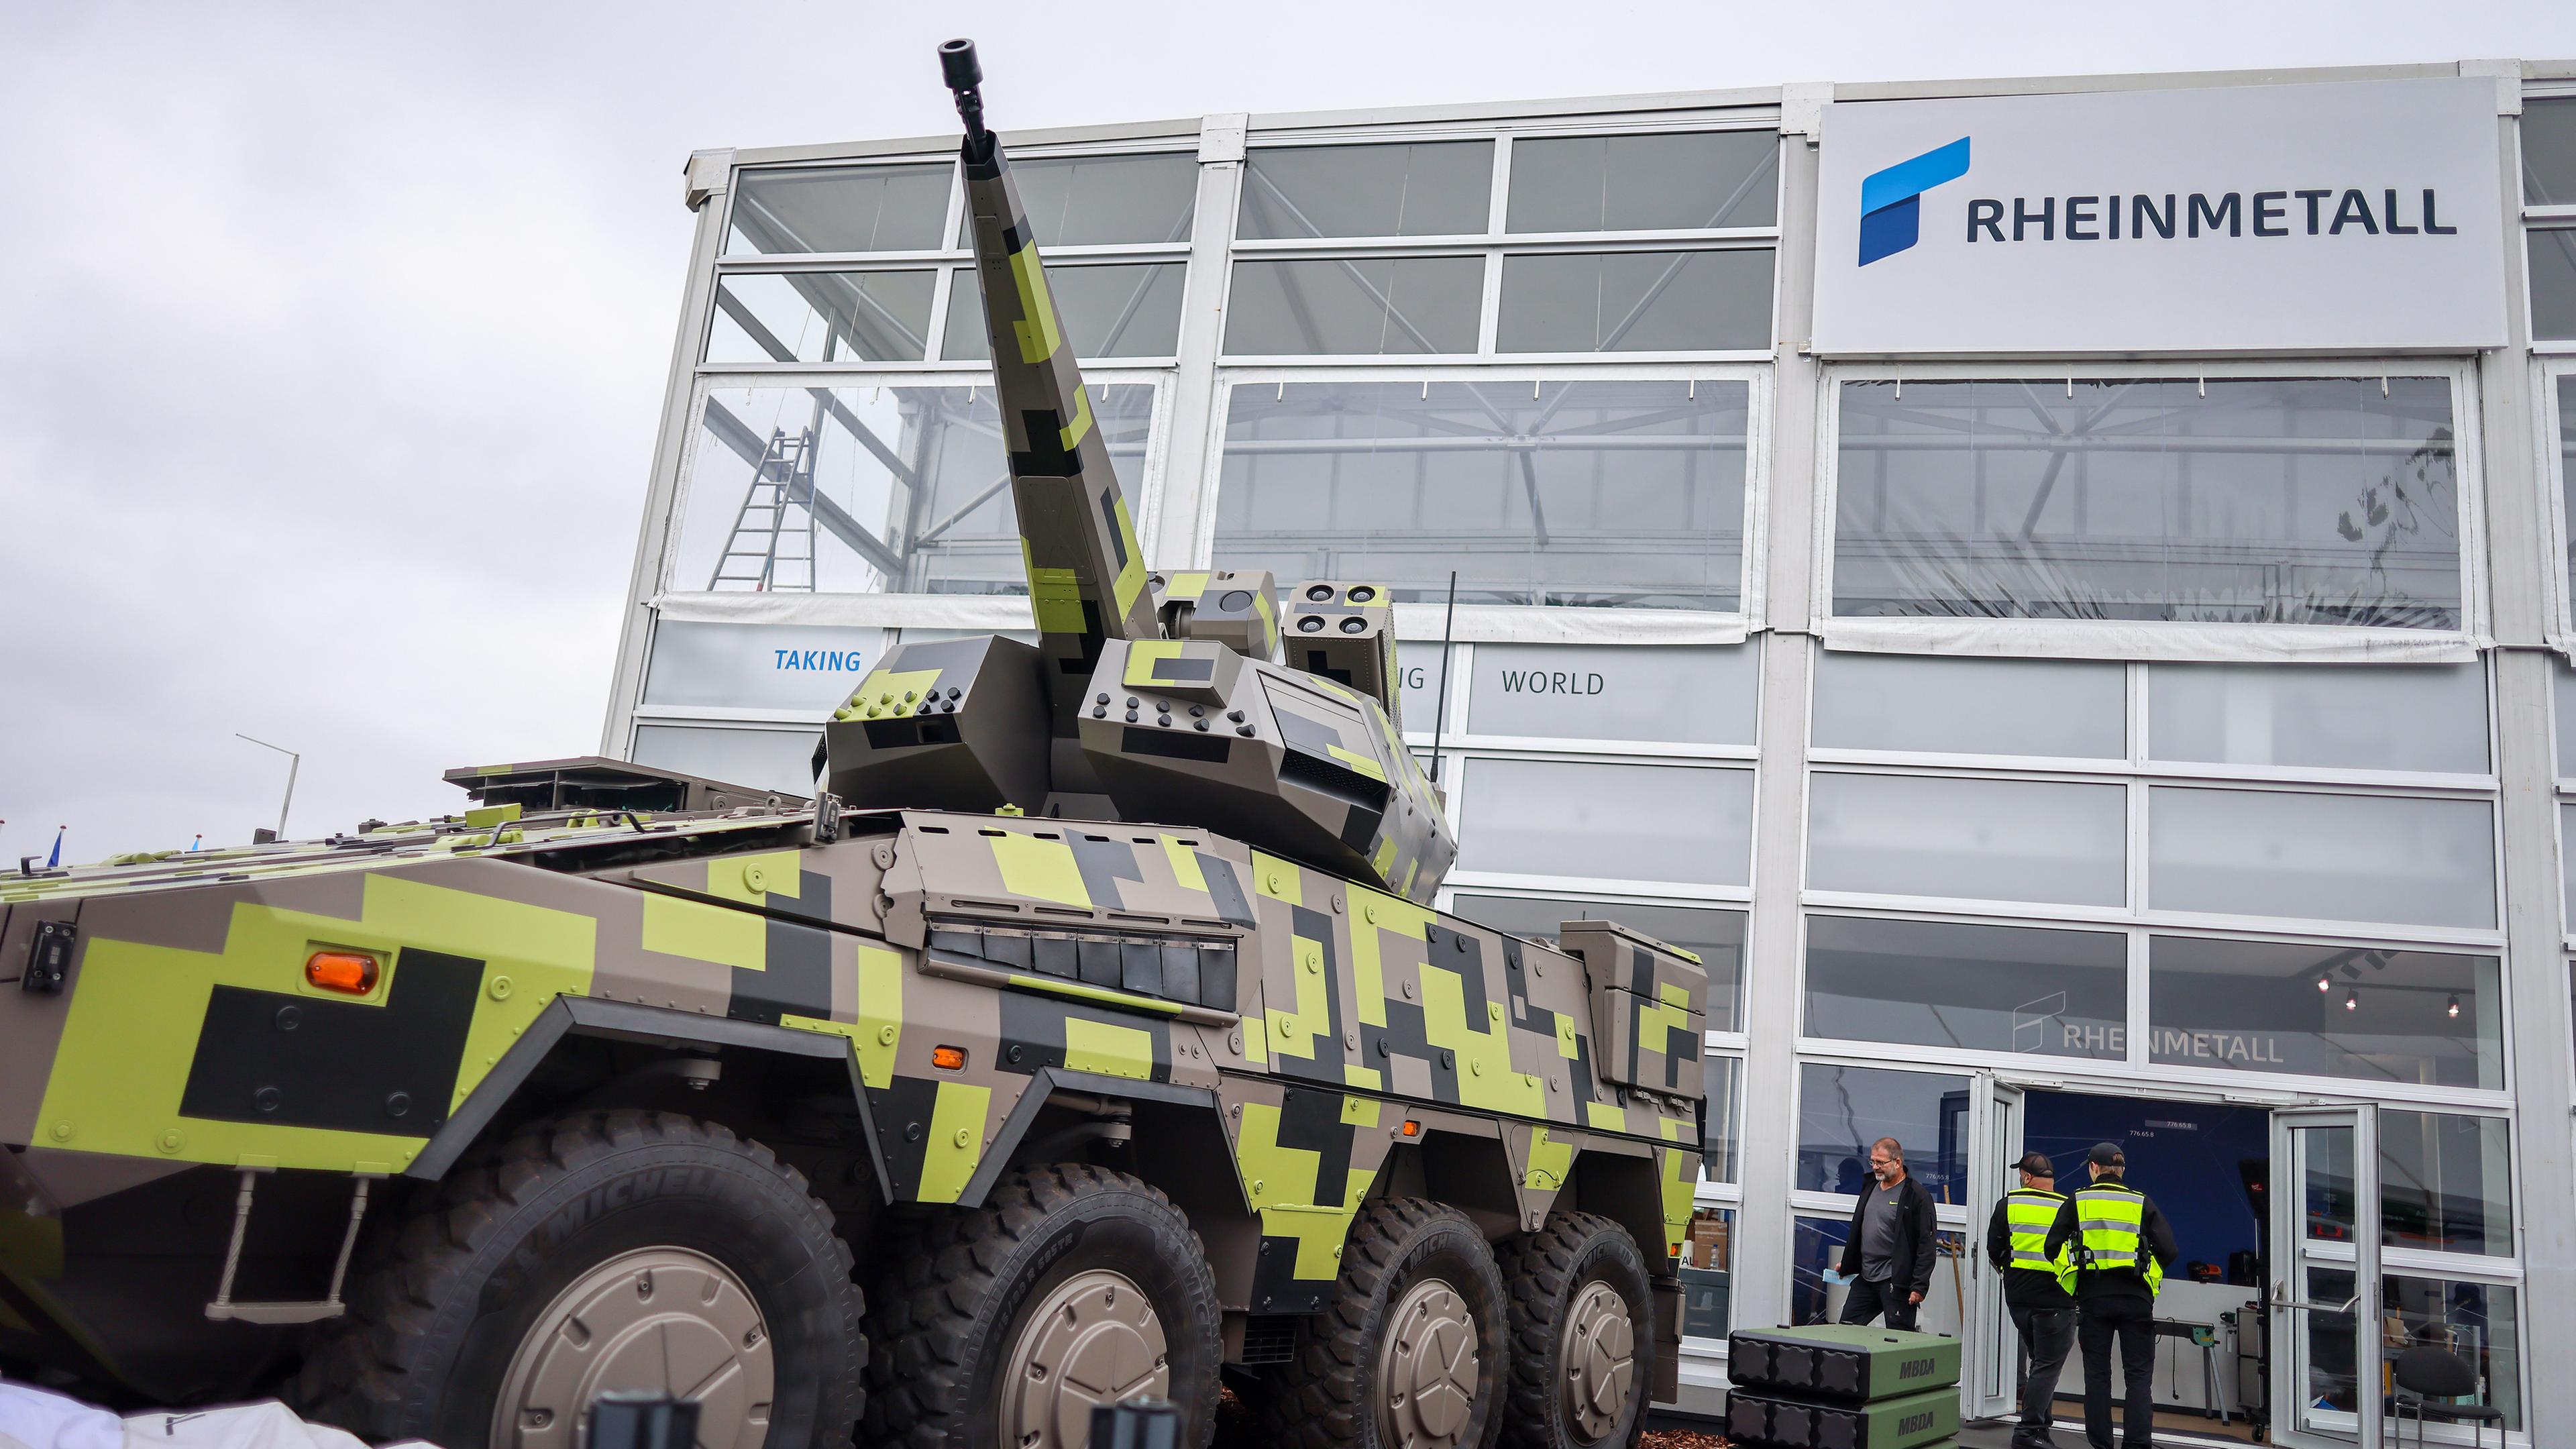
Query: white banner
[2349,216]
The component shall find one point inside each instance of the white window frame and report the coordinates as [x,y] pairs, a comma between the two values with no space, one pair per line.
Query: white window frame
[2548,469]
[1658,892]
[2159,639]
[1538,623]
[948,261]
[1493,243]
[884,609]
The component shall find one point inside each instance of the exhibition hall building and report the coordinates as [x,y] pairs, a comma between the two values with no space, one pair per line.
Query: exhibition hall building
[2057,589]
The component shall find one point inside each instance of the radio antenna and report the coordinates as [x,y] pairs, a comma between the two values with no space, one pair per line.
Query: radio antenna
[1440,708]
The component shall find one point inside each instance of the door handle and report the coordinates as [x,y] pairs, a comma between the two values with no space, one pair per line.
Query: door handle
[2277,1301]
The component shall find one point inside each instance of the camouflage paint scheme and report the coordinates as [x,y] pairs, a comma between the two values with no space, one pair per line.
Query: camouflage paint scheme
[1311,1017]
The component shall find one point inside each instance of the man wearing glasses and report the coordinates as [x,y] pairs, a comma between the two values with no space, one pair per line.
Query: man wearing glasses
[1888,1255]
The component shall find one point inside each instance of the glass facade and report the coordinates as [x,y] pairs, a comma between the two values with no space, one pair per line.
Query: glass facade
[2126,728]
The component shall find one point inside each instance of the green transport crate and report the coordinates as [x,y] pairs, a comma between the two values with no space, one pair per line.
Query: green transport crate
[1906,1421]
[1841,1361]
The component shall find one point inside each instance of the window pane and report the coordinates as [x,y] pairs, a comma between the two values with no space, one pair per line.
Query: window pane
[2567,867]
[821,317]
[1842,1111]
[2383,1015]
[1607,494]
[2553,284]
[1422,667]
[1707,1273]
[1354,306]
[1978,988]
[1724,1079]
[2473,1321]
[2272,500]
[1089,201]
[2326,716]
[781,760]
[862,489]
[1636,301]
[2445,1183]
[2567,461]
[790,668]
[1995,840]
[2549,151]
[1716,937]
[2321,857]
[1691,696]
[1608,822]
[1693,181]
[2563,706]
[840,209]
[1971,706]
[1815,1251]
[1431,189]
[1107,311]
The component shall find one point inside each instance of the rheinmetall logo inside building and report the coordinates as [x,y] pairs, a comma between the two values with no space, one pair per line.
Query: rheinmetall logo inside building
[1891,201]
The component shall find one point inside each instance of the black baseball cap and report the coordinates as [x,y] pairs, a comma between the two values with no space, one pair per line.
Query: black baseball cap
[2036,1164]
[2106,1154]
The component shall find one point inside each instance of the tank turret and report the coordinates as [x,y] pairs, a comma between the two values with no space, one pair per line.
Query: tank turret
[1150,696]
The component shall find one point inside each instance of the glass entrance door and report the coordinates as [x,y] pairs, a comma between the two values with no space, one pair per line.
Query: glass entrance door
[1991,1379]
[2323,1295]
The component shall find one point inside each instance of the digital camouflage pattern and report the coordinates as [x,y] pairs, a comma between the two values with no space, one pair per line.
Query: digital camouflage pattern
[1313,1017]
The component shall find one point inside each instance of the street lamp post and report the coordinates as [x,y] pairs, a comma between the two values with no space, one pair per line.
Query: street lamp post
[294,762]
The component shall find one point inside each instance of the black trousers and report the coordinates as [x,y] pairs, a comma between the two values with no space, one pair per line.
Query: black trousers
[2134,1321]
[2047,1336]
[1869,1299]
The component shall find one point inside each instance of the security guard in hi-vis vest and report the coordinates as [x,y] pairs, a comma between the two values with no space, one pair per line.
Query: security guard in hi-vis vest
[2113,1247]
[2042,1311]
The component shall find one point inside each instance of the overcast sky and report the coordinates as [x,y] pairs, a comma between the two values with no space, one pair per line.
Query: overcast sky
[332,337]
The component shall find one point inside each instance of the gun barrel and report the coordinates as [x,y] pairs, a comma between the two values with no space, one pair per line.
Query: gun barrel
[965,76]
[1086,571]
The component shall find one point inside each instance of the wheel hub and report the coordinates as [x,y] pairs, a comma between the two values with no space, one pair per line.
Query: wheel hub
[1599,1352]
[1095,1340]
[656,1320]
[1426,1369]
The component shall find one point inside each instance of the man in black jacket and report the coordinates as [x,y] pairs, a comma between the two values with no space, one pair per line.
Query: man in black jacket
[1888,1256]
[2042,1313]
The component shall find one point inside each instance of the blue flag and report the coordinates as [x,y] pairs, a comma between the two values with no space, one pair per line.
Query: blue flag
[198,844]
[57,857]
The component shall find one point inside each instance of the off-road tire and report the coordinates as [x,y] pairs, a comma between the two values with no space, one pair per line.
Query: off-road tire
[434,1325]
[960,1287]
[1327,1397]
[1548,1273]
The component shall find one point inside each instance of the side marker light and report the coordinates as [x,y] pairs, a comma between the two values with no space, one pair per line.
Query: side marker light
[350,972]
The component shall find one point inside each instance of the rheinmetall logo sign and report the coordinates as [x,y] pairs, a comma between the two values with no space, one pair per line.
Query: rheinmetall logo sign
[2352,216]
[1891,201]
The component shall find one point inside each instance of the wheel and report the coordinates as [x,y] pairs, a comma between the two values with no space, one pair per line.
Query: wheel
[1073,1286]
[606,1251]
[1409,1352]
[1583,1343]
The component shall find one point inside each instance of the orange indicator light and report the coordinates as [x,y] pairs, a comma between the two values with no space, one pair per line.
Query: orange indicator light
[351,972]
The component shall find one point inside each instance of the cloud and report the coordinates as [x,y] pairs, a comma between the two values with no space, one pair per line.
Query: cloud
[335,339]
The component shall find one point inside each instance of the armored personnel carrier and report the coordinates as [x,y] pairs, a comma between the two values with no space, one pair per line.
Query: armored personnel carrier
[1088,1035]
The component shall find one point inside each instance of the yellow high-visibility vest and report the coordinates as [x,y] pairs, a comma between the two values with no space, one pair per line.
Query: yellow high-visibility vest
[2029,1212]
[2110,1223]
